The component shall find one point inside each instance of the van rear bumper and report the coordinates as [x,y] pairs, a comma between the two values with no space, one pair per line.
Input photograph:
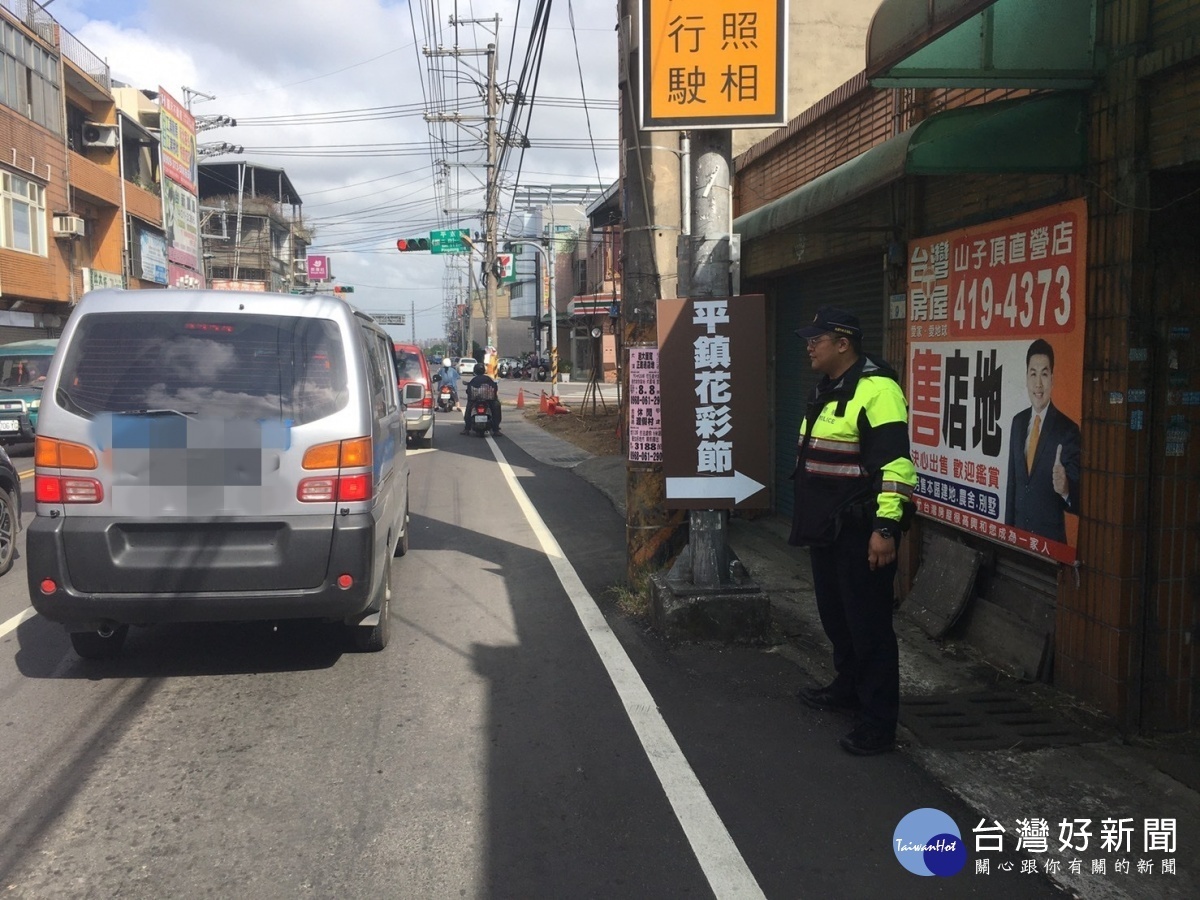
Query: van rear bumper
[352,552]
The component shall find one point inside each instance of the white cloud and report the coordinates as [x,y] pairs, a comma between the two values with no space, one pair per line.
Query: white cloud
[292,58]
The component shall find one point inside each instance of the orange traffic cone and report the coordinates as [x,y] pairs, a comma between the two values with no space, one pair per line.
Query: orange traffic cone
[521,398]
[545,404]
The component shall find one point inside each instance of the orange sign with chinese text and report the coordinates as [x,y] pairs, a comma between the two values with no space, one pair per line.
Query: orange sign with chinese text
[717,64]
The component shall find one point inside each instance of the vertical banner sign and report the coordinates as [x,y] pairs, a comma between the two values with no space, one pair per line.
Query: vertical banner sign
[178,136]
[181,220]
[152,256]
[645,410]
[995,343]
[713,64]
[714,429]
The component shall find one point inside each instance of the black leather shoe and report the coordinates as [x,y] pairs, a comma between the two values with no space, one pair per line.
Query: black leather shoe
[868,740]
[826,698]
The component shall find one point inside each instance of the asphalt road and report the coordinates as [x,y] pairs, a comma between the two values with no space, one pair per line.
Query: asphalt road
[510,742]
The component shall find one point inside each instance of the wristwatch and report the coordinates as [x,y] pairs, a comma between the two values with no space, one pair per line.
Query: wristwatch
[886,532]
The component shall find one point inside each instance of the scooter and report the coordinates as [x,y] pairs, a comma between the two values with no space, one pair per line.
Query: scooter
[445,400]
[482,420]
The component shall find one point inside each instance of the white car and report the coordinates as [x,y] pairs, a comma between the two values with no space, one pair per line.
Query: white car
[466,365]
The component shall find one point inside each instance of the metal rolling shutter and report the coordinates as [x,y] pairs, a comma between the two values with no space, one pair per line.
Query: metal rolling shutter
[11,333]
[856,286]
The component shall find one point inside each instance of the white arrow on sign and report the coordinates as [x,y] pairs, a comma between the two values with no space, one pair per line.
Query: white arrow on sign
[715,487]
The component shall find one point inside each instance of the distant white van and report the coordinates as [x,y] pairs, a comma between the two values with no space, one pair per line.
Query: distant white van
[217,456]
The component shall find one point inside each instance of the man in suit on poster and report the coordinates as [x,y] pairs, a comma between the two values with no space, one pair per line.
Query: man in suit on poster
[1043,455]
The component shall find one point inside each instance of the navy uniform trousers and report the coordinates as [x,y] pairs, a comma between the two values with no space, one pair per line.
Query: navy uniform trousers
[856,605]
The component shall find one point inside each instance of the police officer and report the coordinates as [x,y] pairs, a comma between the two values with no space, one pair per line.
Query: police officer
[853,484]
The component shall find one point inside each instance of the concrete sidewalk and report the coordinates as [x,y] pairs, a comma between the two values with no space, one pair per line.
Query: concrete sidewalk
[1099,775]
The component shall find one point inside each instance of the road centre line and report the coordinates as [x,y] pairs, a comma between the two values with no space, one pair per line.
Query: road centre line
[723,865]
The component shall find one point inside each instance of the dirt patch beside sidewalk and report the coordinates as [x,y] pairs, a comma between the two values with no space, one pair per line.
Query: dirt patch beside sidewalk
[598,434]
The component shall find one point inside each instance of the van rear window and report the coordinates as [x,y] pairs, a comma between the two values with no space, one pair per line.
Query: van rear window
[408,366]
[244,366]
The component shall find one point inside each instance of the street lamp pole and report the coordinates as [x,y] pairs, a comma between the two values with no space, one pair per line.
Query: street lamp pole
[545,254]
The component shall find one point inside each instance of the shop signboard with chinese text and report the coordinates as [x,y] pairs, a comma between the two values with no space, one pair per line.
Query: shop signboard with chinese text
[181,220]
[318,268]
[97,279]
[152,256]
[995,325]
[184,278]
[178,135]
[714,422]
[717,64]
[645,410]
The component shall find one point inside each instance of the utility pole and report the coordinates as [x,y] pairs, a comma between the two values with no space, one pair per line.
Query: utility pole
[491,211]
[492,181]
[650,234]
[708,258]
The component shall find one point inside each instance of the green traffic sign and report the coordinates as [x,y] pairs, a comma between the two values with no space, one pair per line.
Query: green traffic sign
[450,241]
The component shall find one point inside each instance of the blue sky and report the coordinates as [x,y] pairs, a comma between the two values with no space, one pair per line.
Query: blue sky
[282,63]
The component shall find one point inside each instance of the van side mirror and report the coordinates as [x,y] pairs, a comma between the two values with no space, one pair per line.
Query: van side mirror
[413,393]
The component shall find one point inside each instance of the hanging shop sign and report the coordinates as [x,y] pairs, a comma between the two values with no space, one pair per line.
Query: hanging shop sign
[714,434]
[995,325]
[177,133]
[718,64]
[181,221]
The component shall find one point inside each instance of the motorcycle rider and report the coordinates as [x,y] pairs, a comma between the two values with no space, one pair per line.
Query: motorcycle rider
[448,375]
[481,380]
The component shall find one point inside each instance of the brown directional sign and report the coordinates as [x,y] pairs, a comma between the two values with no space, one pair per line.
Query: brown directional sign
[713,375]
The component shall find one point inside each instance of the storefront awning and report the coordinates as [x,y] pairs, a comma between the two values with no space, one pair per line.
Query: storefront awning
[1044,133]
[1032,44]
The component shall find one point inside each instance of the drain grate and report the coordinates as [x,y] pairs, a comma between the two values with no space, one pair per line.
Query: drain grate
[986,721]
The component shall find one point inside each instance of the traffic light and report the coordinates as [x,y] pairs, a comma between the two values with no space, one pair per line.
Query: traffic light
[343,289]
[406,244]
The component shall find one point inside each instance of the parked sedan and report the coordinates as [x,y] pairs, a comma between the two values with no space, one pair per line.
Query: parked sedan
[10,511]
[466,365]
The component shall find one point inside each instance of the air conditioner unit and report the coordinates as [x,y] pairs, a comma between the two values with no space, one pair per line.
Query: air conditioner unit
[97,135]
[69,226]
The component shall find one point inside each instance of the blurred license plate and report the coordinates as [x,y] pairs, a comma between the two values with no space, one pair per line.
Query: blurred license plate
[9,425]
[481,420]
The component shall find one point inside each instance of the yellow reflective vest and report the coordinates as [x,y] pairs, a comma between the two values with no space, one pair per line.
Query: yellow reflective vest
[852,455]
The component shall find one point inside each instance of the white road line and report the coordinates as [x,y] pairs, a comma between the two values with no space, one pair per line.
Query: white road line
[726,870]
[11,624]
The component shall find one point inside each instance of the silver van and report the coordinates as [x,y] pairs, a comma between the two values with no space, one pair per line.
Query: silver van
[217,456]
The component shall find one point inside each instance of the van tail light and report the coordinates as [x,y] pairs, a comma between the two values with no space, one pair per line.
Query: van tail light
[54,454]
[339,454]
[66,489]
[340,485]
[50,453]
[355,487]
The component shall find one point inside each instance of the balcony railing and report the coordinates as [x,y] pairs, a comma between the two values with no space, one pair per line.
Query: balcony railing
[44,25]
[92,65]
